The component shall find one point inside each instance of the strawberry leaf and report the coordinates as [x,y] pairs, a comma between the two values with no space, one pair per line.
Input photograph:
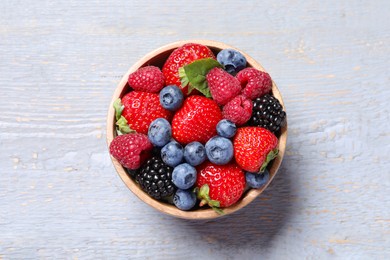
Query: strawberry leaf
[203,195]
[121,122]
[194,75]
[118,108]
[270,156]
[123,127]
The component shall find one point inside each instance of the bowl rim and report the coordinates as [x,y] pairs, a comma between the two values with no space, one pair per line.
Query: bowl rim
[203,213]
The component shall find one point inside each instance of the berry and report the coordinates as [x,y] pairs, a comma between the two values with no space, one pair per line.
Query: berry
[160,132]
[254,148]
[257,180]
[171,97]
[195,153]
[184,199]
[268,113]
[148,79]
[223,86]
[155,178]
[184,176]
[226,128]
[238,110]
[220,185]
[232,60]
[254,83]
[219,150]
[196,120]
[141,108]
[172,153]
[131,150]
[180,57]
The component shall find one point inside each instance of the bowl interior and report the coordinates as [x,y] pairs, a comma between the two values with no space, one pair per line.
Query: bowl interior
[157,58]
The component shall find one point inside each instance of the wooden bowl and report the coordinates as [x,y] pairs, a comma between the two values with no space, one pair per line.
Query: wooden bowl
[157,58]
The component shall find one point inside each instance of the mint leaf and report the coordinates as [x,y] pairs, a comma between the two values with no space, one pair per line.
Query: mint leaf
[194,75]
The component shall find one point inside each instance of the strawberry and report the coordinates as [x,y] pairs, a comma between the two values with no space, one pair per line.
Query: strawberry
[141,108]
[254,148]
[131,150]
[255,83]
[182,56]
[223,86]
[148,79]
[219,186]
[238,110]
[196,120]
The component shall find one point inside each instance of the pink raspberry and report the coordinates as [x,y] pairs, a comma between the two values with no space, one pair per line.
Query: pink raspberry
[147,79]
[223,86]
[254,83]
[131,150]
[238,110]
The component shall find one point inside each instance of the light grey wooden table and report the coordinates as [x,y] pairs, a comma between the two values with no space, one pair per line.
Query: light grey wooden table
[61,198]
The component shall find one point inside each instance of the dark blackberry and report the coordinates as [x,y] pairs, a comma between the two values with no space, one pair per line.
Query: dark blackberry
[155,178]
[268,113]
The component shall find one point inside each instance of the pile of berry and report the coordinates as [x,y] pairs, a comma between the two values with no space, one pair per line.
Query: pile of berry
[200,129]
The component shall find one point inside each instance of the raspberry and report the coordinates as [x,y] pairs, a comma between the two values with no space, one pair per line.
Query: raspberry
[148,79]
[254,83]
[223,86]
[238,110]
[131,150]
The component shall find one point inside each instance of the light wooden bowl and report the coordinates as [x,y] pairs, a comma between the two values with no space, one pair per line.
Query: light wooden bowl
[157,58]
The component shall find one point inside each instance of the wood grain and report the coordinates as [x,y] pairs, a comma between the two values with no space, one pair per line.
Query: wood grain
[61,197]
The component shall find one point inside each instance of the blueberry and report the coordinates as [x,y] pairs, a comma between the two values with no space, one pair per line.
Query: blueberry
[195,153]
[232,60]
[219,150]
[172,153]
[257,180]
[226,128]
[184,199]
[171,97]
[184,176]
[159,132]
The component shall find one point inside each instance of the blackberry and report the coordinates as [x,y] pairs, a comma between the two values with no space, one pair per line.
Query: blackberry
[268,113]
[155,178]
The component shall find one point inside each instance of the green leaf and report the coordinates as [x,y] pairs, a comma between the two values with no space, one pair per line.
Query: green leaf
[270,156]
[194,75]
[118,108]
[203,195]
[123,127]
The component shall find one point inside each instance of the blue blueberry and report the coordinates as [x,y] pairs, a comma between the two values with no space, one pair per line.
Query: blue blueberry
[226,128]
[195,153]
[160,132]
[172,153]
[171,97]
[184,176]
[184,199]
[219,150]
[257,180]
[232,60]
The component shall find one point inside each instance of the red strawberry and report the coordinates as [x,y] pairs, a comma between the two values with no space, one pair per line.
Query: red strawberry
[131,150]
[220,185]
[223,86]
[238,110]
[148,79]
[254,148]
[141,108]
[180,57]
[255,83]
[196,120]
